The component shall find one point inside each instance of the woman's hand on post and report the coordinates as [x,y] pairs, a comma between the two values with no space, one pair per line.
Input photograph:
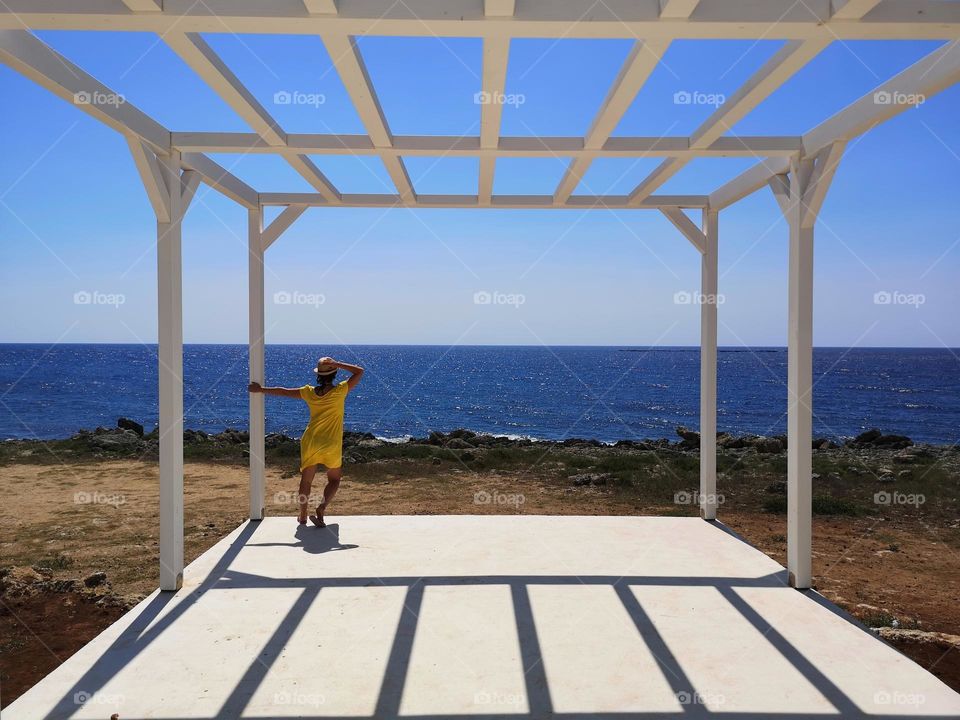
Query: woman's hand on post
[254,387]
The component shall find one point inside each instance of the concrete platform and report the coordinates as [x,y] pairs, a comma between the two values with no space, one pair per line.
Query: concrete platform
[426,616]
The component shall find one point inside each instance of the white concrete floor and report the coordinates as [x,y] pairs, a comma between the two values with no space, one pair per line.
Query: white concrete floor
[530,616]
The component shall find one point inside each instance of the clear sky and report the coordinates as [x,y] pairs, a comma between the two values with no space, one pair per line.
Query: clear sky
[74,217]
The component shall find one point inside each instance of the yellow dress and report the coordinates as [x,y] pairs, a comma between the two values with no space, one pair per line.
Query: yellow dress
[322,441]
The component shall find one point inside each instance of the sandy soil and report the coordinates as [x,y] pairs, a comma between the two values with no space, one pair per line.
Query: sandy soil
[101,516]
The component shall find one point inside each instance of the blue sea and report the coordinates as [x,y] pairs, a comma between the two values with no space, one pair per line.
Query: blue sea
[604,393]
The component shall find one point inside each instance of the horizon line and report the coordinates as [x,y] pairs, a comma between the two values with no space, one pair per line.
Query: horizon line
[493,345]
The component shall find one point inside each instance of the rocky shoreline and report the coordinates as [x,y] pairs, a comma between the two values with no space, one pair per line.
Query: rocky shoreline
[130,438]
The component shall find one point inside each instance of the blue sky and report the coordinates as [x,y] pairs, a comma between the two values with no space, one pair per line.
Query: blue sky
[74,217]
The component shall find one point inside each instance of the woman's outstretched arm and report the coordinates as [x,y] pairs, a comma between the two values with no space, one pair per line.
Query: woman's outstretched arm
[256,387]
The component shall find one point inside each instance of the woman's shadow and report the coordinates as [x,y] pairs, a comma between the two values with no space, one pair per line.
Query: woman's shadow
[315,540]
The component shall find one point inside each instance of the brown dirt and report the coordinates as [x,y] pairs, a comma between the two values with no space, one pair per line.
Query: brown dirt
[878,568]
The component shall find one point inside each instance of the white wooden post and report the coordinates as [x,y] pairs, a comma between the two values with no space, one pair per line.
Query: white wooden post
[800,194]
[708,367]
[170,357]
[799,383]
[257,418]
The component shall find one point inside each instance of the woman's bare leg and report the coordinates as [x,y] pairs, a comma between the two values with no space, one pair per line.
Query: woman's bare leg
[334,475]
[306,484]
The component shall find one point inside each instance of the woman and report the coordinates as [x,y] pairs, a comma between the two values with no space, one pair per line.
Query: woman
[322,441]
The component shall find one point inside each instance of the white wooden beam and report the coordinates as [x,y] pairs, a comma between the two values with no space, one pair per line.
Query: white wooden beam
[256,344]
[677,9]
[221,180]
[475,146]
[776,71]
[321,7]
[270,234]
[640,63]
[31,57]
[306,167]
[851,9]
[919,82]
[915,85]
[493,82]
[709,302]
[144,5]
[189,182]
[713,19]
[824,168]
[195,51]
[780,186]
[201,58]
[346,58]
[152,175]
[495,52]
[170,374]
[799,390]
[686,226]
[472,201]
[499,8]
[748,182]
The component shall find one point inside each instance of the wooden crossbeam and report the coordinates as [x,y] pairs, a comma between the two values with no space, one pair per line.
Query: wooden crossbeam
[712,19]
[347,59]
[777,70]
[639,65]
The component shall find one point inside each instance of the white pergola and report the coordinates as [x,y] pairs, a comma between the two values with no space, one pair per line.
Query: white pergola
[798,169]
